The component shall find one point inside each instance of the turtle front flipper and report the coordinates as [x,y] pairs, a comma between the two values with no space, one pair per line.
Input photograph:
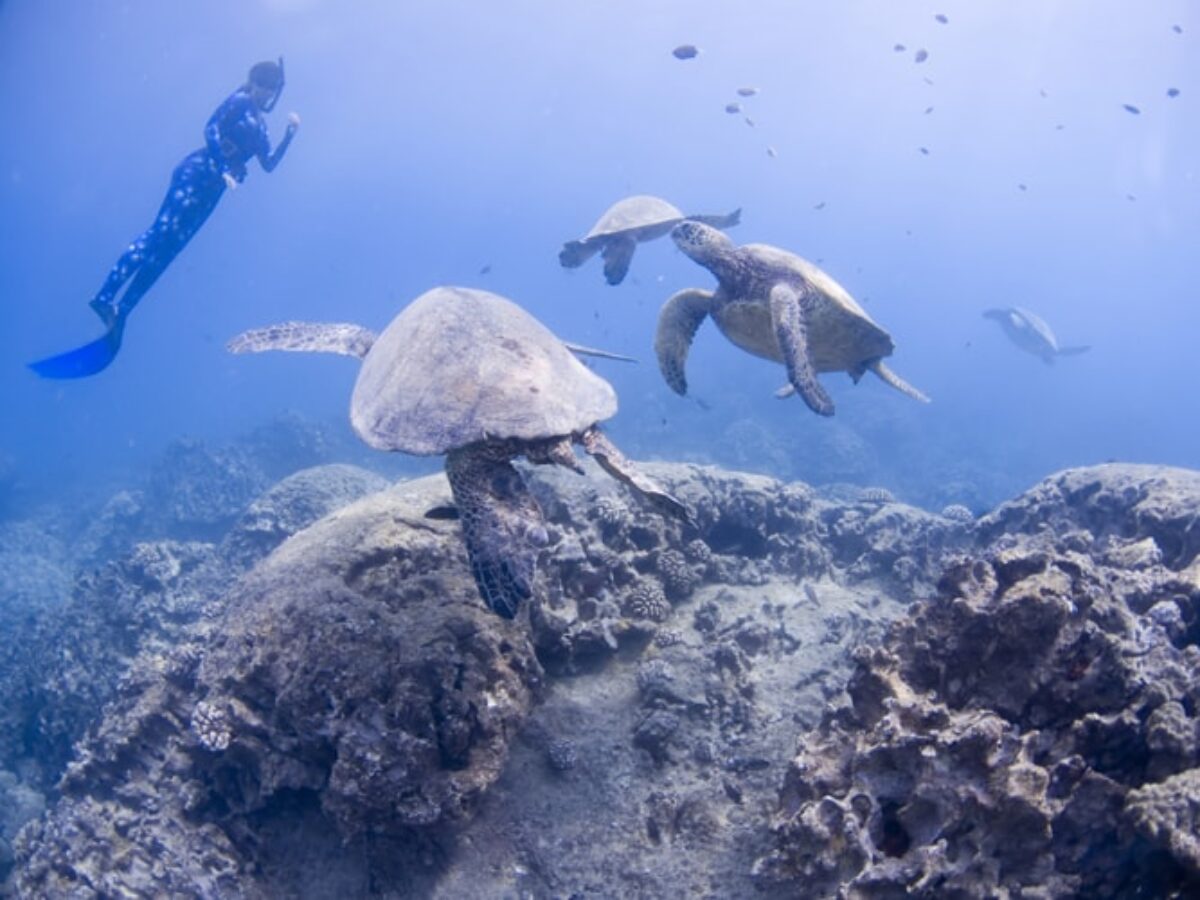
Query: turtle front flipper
[678,321]
[789,318]
[613,461]
[618,254]
[501,522]
[891,378]
[719,221]
[344,338]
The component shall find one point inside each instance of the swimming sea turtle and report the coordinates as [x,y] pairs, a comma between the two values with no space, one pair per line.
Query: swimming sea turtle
[1031,333]
[775,305]
[472,375]
[624,225]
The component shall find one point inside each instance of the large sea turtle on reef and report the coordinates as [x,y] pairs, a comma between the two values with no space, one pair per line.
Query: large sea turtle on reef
[1031,333]
[624,225]
[471,375]
[775,305]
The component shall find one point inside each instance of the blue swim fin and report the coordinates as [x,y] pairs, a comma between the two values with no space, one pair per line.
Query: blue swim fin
[86,360]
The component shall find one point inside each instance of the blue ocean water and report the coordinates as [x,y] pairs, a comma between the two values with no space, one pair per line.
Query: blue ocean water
[461,143]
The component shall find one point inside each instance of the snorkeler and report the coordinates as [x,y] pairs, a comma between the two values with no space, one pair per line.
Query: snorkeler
[235,134]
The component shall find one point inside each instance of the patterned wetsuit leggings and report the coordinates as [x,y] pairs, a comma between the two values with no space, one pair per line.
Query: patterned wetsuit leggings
[195,188]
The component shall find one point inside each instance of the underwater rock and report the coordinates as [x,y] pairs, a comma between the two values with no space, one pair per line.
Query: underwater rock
[292,504]
[357,662]
[76,655]
[354,672]
[34,575]
[18,804]
[197,492]
[154,598]
[1030,727]
[349,720]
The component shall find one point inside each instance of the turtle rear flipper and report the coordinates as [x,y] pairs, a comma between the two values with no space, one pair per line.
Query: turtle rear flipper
[344,338]
[613,461]
[789,318]
[891,378]
[678,321]
[576,253]
[617,255]
[718,221]
[501,523]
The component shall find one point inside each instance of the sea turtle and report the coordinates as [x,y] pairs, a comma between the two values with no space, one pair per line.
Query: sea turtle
[471,375]
[1031,333]
[775,305]
[624,225]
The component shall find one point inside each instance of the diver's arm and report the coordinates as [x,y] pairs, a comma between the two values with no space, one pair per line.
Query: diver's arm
[269,160]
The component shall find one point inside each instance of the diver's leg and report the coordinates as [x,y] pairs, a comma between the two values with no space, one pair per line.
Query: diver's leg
[104,303]
[190,201]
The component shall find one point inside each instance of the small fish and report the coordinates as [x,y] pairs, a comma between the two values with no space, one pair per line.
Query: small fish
[733,108]
[1130,108]
[1021,186]
[1059,127]
[924,150]
[749,121]
[1042,91]
[899,48]
[941,18]
[1130,197]
[686,51]
[928,110]
[820,205]
[927,80]
[444,513]
[1178,29]
[811,593]
[921,55]
[1172,92]
[747,91]
[485,269]
[771,152]
[704,404]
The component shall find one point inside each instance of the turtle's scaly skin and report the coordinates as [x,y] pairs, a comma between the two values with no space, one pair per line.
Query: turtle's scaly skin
[777,306]
[502,524]
[343,338]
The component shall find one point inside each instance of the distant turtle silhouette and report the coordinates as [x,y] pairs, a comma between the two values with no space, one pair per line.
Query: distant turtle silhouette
[1031,333]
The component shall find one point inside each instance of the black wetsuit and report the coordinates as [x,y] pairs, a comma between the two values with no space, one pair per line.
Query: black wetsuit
[235,134]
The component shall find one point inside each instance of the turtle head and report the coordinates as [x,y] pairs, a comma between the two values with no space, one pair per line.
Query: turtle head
[702,243]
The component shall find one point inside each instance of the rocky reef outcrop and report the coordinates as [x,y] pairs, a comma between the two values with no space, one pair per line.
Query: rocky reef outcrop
[1029,730]
[142,615]
[813,693]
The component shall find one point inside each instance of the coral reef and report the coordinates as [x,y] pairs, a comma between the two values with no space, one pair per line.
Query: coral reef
[292,504]
[1031,729]
[354,671]
[956,512]
[1007,707]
